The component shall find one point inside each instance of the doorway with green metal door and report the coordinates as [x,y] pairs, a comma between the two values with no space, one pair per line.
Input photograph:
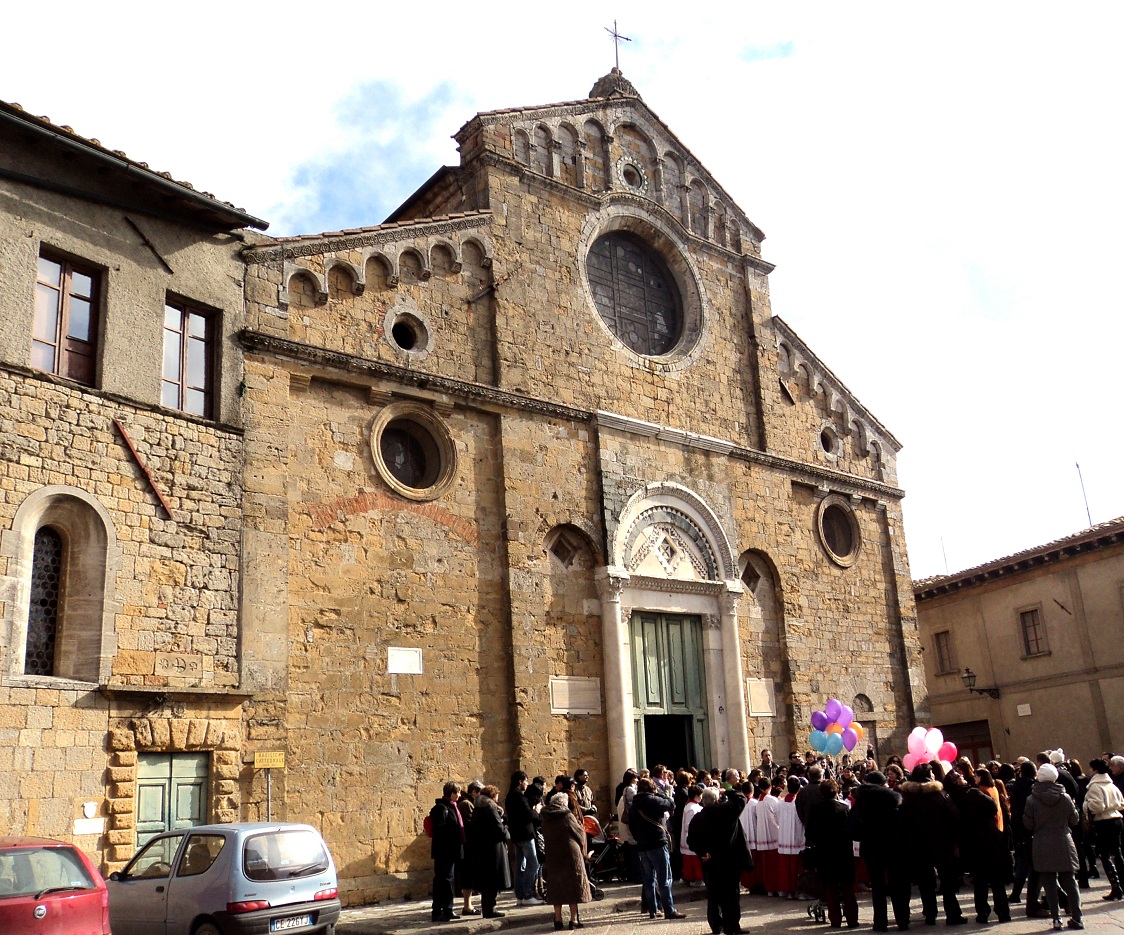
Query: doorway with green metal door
[669,692]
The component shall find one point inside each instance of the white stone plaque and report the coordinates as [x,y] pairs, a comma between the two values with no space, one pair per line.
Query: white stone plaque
[759,694]
[402,660]
[89,826]
[1023,710]
[574,695]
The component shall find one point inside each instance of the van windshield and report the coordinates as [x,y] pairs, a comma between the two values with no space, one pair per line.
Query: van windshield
[284,855]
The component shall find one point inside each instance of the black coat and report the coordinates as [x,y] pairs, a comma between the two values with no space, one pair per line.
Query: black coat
[929,825]
[522,820]
[828,832]
[713,831]
[808,796]
[874,820]
[487,848]
[983,847]
[645,820]
[448,835]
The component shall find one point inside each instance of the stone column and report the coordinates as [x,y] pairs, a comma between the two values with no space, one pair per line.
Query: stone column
[736,727]
[615,649]
[713,672]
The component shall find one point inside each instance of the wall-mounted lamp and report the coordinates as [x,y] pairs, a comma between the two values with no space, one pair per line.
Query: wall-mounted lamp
[969,678]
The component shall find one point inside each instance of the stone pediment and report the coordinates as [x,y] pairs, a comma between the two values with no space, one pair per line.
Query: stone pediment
[611,145]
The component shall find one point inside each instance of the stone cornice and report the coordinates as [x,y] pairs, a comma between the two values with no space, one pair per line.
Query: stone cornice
[811,475]
[352,240]
[647,583]
[337,362]
[488,397]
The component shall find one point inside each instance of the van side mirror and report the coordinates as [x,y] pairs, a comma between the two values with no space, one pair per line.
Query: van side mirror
[115,876]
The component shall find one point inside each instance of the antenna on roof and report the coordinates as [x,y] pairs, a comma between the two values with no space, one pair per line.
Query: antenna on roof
[1088,515]
[617,40]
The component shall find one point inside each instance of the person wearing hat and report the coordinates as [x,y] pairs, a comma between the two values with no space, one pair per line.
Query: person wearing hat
[1048,816]
[875,826]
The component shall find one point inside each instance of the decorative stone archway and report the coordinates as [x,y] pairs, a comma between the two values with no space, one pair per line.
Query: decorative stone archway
[670,554]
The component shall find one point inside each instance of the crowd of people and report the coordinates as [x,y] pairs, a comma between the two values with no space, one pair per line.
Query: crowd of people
[1032,828]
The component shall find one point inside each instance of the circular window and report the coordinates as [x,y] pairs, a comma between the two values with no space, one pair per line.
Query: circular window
[635,293]
[632,177]
[838,529]
[404,334]
[413,451]
[407,331]
[827,440]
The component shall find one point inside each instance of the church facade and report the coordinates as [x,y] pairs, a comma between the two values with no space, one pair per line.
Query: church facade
[528,476]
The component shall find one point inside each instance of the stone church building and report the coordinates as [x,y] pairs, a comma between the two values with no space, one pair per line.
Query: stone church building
[527,476]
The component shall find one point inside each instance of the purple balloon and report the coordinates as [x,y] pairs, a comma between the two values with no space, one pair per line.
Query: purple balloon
[832,709]
[819,720]
[846,715]
[850,738]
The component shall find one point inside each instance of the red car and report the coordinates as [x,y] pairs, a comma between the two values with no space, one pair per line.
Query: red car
[50,888]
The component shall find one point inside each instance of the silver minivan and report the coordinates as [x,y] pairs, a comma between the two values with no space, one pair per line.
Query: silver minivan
[237,879]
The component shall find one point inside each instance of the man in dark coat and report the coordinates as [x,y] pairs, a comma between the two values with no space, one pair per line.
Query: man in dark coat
[828,835]
[1018,792]
[983,847]
[929,825]
[874,824]
[447,850]
[523,825]
[715,835]
[809,795]
[646,823]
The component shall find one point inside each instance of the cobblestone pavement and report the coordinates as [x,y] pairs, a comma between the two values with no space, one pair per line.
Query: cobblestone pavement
[620,912]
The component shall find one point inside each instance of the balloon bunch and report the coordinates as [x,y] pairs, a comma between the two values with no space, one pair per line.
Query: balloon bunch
[834,729]
[926,745]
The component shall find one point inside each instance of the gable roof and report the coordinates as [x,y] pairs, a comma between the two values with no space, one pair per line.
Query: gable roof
[1095,537]
[164,194]
[618,92]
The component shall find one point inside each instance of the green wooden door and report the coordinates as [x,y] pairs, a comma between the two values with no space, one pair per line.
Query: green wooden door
[171,792]
[667,680]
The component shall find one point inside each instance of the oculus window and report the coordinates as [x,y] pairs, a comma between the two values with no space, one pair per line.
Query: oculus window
[635,293]
[838,529]
[413,451]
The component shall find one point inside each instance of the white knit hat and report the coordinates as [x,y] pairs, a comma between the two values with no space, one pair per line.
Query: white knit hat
[1047,773]
[1057,756]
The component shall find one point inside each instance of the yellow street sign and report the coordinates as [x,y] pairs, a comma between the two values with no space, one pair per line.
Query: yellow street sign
[274,759]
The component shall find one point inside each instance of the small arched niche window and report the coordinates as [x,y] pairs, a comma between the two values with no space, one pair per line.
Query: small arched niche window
[46,601]
[61,619]
[635,293]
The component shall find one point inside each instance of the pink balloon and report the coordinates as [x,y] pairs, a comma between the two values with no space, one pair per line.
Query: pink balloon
[846,716]
[909,761]
[916,745]
[933,740]
[947,752]
[850,738]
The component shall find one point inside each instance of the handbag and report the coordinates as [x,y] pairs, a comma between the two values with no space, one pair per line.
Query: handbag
[739,849]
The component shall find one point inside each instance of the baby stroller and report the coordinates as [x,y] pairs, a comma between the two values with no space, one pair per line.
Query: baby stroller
[603,859]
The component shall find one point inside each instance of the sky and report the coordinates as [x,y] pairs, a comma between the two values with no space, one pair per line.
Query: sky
[941,186]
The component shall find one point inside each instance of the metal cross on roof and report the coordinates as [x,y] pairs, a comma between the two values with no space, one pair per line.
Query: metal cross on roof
[617,39]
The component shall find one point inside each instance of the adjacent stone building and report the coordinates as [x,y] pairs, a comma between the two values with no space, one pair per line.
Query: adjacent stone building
[1040,631]
[526,476]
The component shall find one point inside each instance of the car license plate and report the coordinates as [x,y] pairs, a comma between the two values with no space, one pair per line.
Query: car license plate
[289,922]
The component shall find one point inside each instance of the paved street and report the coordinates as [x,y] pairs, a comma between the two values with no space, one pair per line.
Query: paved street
[620,913]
